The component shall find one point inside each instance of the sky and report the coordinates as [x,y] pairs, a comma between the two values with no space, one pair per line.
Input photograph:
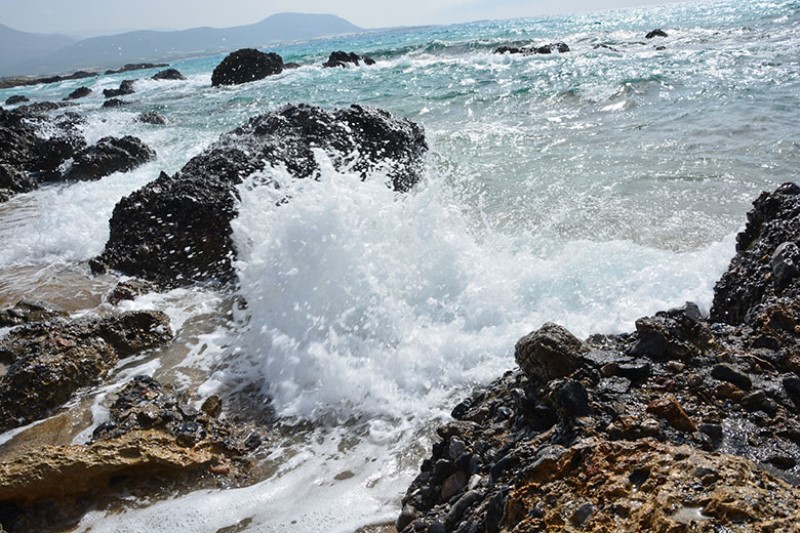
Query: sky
[90,17]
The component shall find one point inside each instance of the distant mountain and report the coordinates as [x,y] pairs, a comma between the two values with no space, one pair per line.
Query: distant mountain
[19,46]
[143,46]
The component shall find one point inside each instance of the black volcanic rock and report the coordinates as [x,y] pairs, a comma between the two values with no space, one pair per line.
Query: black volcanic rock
[17,99]
[109,155]
[245,65]
[343,59]
[125,88]
[176,230]
[169,74]
[559,47]
[80,92]
[114,102]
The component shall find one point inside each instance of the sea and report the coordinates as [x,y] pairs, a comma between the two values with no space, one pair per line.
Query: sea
[587,188]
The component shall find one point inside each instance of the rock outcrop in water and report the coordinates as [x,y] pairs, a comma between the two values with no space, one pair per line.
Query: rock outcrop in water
[109,155]
[49,361]
[344,59]
[125,88]
[550,48]
[246,65]
[176,230]
[687,424]
[80,92]
[169,74]
[26,155]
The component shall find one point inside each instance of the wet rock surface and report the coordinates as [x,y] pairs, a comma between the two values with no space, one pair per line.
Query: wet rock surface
[125,88]
[49,361]
[686,424]
[27,156]
[80,92]
[176,230]
[27,311]
[530,49]
[344,59]
[246,65]
[109,155]
[151,436]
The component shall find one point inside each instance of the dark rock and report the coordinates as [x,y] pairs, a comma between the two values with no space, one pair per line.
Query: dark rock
[582,515]
[549,352]
[152,117]
[571,397]
[343,59]
[17,82]
[129,290]
[785,264]
[114,102]
[784,462]
[246,65]
[748,282]
[791,384]
[530,50]
[52,360]
[109,155]
[135,66]
[26,311]
[80,92]
[169,74]
[176,230]
[727,373]
[291,66]
[125,88]
[674,334]
[655,33]
[17,99]
[25,156]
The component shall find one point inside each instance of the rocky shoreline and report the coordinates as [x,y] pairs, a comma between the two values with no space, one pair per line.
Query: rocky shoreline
[687,424]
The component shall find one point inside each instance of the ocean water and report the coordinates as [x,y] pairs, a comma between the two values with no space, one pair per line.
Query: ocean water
[588,188]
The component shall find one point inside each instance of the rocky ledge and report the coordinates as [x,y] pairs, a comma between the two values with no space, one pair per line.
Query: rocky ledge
[687,424]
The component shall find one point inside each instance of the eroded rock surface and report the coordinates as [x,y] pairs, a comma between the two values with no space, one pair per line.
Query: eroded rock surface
[107,156]
[49,361]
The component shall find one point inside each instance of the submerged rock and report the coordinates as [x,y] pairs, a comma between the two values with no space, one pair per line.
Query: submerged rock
[343,59]
[49,361]
[17,99]
[152,117]
[246,65]
[550,48]
[176,230]
[109,155]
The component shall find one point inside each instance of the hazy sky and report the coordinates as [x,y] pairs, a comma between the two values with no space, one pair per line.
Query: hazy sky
[82,16]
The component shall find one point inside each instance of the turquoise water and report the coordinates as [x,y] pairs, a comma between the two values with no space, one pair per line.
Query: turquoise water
[589,188]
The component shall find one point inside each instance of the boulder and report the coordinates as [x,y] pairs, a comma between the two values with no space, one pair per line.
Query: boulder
[548,353]
[343,59]
[176,230]
[246,65]
[49,361]
[109,155]
[125,88]
[17,99]
[80,92]
[169,74]
[26,311]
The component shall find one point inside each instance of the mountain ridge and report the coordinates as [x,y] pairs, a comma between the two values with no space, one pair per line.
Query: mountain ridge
[151,45]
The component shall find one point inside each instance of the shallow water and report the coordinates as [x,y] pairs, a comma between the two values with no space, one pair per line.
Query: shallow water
[588,188]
